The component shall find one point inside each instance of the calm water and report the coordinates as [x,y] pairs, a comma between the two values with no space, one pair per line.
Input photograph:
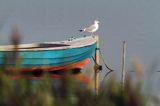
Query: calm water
[136,21]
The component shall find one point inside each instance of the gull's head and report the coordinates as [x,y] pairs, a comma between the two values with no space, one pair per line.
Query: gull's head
[96,22]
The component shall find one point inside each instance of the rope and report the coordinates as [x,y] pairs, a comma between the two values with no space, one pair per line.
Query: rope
[106,76]
[104,61]
[110,70]
[95,62]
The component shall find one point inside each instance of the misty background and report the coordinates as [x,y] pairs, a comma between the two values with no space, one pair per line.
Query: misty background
[136,21]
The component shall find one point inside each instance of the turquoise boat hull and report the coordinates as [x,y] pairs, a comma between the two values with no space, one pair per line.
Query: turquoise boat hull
[49,57]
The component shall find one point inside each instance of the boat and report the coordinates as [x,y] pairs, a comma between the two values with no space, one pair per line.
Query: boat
[71,54]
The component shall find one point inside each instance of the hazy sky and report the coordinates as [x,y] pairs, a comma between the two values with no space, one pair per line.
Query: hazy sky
[136,21]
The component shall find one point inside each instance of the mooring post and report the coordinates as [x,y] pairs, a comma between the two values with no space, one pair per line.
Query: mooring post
[123,63]
[97,66]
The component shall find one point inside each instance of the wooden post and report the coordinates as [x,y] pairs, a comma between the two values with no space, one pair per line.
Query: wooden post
[97,66]
[123,64]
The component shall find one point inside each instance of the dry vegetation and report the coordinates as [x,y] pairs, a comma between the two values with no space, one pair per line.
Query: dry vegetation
[68,91]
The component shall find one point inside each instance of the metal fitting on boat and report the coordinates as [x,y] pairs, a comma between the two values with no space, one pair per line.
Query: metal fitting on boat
[99,67]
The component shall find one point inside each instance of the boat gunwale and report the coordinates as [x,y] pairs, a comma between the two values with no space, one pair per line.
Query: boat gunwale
[10,48]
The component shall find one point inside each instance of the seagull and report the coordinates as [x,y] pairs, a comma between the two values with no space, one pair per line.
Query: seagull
[93,28]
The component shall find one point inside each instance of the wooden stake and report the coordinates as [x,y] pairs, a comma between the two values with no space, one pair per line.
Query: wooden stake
[123,63]
[97,66]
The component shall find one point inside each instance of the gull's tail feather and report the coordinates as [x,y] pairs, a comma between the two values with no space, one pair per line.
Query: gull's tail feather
[81,30]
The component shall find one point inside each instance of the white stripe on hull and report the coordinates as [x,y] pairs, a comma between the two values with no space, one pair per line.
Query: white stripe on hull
[73,43]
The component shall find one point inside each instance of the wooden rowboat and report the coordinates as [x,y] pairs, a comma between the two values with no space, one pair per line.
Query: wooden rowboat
[70,54]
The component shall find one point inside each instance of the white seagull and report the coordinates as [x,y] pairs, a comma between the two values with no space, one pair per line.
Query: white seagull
[93,28]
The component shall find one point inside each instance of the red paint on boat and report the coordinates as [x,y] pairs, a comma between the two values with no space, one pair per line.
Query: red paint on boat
[77,65]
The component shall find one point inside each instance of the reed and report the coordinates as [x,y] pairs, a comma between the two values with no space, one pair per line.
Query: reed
[68,90]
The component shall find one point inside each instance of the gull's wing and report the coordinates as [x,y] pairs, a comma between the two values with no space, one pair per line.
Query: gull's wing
[90,28]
